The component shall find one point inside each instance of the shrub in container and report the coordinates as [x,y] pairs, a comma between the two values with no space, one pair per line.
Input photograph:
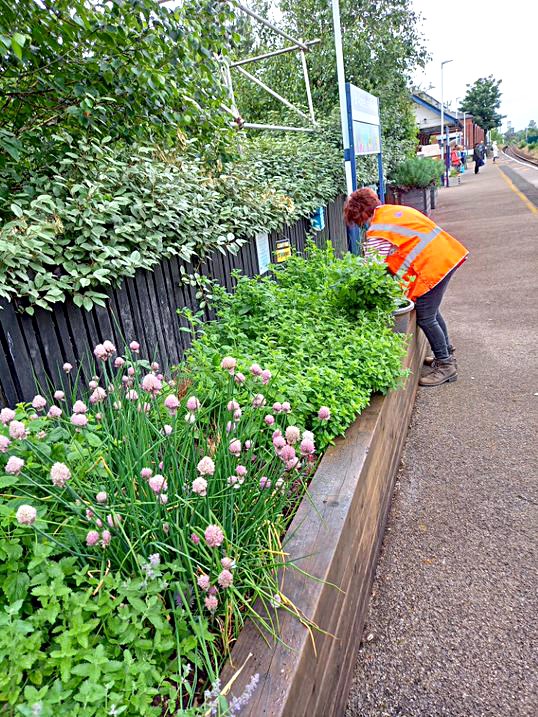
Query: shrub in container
[412,182]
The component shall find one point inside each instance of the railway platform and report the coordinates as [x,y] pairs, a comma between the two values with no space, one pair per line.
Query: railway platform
[452,625]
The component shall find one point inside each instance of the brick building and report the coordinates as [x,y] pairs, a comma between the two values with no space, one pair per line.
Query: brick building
[428,116]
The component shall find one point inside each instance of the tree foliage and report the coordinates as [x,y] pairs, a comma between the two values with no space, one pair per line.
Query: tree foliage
[127,69]
[482,100]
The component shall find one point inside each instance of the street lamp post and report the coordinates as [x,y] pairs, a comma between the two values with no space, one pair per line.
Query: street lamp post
[445,62]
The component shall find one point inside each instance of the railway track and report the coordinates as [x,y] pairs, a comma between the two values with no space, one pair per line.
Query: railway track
[521,156]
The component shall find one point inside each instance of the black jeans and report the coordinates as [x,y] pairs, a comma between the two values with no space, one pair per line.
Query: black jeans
[430,320]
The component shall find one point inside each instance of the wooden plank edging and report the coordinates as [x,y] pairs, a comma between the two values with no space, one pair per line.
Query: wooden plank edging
[335,536]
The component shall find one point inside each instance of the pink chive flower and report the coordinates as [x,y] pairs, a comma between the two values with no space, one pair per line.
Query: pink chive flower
[134,346]
[195,538]
[324,413]
[193,404]
[293,463]
[265,483]
[230,426]
[239,378]
[33,417]
[79,420]
[232,406]
[259,400]
[151,384]
[98,417]
[286,408]
[248,444]
[190,417]
[293,434]
[92,538]
[287,453]
[171,402]
[99,522]
[146,407]
[234,481]
[89,514]
[277,407]
[79,407]
[280,484]
[269,419]
[158,484]
[59,395]
[161,465]
[113,521]
[266,376]
[279,442]
[160,377]
[237,414]
[98,395]
[146,473]
[214,536]
[227,563]
[131,371]
[206,466]
[199,486]
[14,465]
[17,430]
[4,443]
[106,537]
[211,603]
[256,369]
[307,446]
[41,435]
[131,395]
[228,363]
[167,429]
[101,497]
[67,367]
[39,402]
[26,515]
[59,474]
[127,381]
[109,347]
[93,384]
[203,581]
[309,435]
[277,432]
[154,366]
[54,412]
[7,415]
[241,471]
[163,498]
[119,362]
[235,447]
[225,579]
[100,352]
[117,405]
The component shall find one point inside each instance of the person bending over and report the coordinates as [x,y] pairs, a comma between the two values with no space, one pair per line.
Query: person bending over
[424,257]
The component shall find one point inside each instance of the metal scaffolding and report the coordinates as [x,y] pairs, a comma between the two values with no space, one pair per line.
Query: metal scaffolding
[296,46]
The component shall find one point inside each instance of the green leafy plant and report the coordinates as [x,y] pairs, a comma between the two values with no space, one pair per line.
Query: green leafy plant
[319,353]
[416,172]
[360,285]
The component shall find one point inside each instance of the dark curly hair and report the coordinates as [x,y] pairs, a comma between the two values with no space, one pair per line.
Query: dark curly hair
[360,206]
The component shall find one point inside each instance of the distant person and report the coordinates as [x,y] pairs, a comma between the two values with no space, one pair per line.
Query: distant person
[415,249]
[495,151]
[477,157]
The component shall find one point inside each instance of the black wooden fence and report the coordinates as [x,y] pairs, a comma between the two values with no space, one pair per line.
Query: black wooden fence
[142,308]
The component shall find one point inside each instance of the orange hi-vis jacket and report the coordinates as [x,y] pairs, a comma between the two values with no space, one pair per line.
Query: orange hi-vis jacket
[424,253]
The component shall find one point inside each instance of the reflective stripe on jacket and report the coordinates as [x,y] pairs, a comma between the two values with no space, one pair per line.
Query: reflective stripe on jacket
[424,254]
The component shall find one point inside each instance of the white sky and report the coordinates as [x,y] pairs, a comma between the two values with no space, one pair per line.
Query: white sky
[483,37]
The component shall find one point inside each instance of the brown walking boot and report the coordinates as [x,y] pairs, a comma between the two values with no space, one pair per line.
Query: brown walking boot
[428,361]
[441,372]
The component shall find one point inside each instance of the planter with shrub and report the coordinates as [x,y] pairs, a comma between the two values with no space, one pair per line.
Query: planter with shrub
[413,180]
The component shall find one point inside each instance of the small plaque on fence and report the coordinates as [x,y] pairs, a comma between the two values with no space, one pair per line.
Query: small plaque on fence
[283,251]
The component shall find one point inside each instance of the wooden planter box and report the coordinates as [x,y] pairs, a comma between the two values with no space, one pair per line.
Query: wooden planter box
[335,536]
[417,198]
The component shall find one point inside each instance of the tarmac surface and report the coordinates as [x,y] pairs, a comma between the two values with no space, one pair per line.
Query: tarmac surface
[452,627]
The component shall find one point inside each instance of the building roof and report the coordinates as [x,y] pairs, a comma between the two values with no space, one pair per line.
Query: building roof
[425,100]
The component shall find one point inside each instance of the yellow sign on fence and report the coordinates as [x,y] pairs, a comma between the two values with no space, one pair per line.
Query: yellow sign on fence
[283,251]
